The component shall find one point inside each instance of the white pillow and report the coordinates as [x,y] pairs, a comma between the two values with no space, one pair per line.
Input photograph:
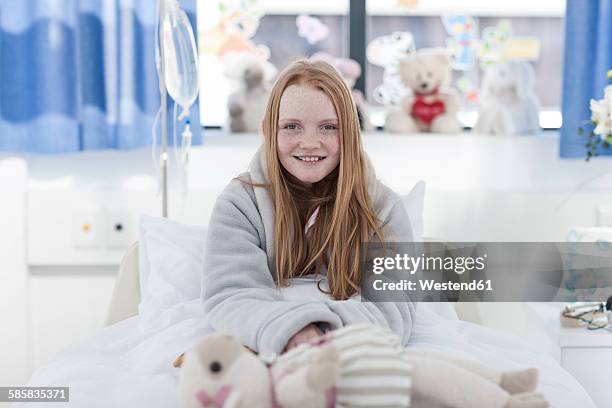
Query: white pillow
[414,203]
[171,256]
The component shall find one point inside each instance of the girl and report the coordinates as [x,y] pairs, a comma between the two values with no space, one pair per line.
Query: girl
[308,202]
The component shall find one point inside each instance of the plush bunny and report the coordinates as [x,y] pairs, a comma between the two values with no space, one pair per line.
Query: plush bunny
[433,106]
[352,366]
[246,106]
[350,70]
[508,104]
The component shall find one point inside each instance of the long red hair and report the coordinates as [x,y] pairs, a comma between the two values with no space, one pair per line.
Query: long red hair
[346,217]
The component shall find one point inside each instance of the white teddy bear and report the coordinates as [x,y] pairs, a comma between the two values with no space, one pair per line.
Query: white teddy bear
[508,104]
[433,105]
[221,373]
[253,76]
[354,366]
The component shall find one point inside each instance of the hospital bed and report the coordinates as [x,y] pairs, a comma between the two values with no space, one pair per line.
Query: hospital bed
[129,363]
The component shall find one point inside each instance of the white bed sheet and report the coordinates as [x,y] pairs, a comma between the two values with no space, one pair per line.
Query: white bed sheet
[129,364]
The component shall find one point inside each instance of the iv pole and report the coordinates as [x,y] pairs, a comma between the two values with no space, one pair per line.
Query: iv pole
[164,113]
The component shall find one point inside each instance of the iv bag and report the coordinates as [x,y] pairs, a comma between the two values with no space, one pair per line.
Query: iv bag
[180,56]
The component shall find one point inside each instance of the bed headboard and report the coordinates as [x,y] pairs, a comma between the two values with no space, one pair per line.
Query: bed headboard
[126,293]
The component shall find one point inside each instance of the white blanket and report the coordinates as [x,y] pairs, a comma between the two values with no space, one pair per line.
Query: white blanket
[129,364]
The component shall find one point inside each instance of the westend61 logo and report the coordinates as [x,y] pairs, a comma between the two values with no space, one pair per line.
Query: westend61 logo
[412,264]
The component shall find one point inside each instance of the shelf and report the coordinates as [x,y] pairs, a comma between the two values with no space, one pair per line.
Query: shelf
[476,8]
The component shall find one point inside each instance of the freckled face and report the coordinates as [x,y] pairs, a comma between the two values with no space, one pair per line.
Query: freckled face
[308,133]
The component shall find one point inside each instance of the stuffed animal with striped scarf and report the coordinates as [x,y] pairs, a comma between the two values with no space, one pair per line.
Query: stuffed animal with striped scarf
[355,366]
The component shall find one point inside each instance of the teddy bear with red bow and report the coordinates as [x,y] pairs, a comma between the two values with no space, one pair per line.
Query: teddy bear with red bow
[433,105]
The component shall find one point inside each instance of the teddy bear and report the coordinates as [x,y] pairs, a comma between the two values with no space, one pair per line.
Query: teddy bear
[345,368]
[433,105]
[221,373]
[350,70]
[252,76]
[508,104]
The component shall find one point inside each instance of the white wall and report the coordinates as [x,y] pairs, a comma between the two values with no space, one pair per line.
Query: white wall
[501,188]
[478,188]
[14,366]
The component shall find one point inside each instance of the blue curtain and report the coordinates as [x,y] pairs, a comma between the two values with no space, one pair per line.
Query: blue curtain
[588,57]
[80,74]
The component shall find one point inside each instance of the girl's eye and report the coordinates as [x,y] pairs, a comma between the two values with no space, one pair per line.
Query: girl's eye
[330,127]
[290,126]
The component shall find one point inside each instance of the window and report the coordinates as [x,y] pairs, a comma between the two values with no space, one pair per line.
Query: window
[543,20]
[270,25]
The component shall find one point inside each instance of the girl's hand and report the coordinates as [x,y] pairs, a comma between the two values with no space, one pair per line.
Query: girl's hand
[306,334]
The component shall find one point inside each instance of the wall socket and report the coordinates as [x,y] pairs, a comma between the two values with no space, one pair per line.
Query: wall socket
[119,226]
[604,216]
[87,229]
[99,229]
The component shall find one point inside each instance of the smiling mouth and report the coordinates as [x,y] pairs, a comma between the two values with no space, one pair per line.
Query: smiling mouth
[310,159]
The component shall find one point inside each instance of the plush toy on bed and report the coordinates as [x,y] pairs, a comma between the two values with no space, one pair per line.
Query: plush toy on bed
[508,103]
[352,366]
[252,76]
[433,105]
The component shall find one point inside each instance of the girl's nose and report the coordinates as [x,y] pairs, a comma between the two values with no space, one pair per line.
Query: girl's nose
[311,139]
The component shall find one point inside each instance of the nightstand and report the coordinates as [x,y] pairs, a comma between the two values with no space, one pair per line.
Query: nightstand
[586,354]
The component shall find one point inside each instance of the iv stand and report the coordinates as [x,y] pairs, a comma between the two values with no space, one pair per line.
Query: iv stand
[164,114]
